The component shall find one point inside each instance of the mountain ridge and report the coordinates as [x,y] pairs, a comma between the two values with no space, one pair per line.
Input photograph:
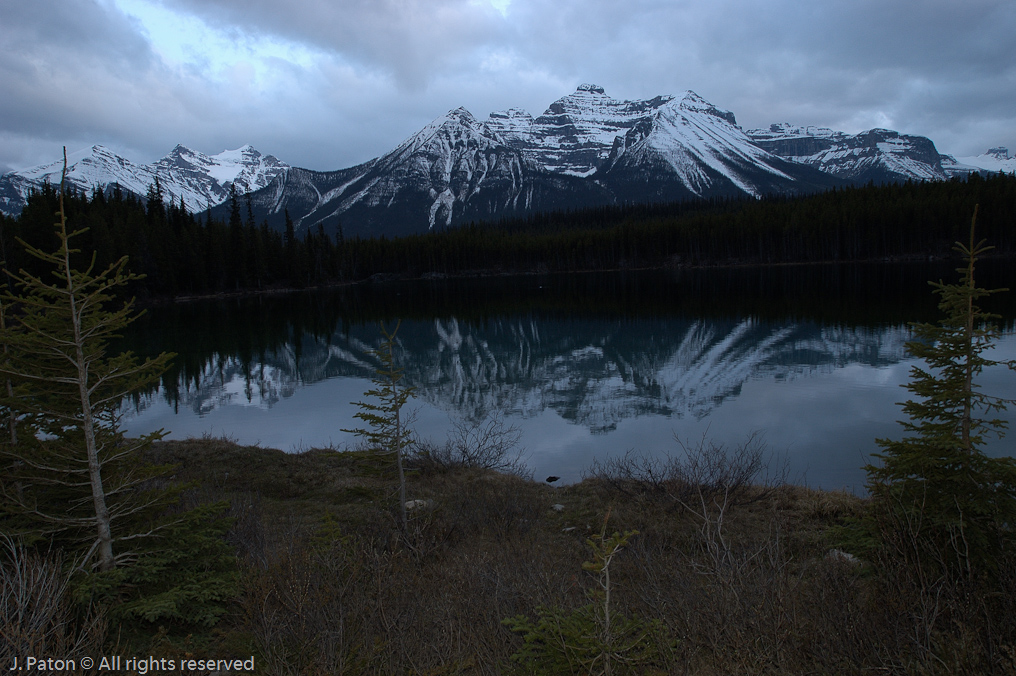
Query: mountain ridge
[199,180]
[878,155]
[586,149]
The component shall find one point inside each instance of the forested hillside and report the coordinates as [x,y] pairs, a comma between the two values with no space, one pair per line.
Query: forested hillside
[182,253]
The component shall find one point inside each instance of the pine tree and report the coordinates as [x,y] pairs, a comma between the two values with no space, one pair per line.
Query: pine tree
[595,638]
[237,243]
[71,480]
[937,480]
[389,434]
[67,393]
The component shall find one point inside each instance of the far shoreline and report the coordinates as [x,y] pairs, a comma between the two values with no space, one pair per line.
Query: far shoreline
[489,273]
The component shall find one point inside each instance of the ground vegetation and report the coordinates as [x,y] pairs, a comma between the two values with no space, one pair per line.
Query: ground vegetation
[700,561]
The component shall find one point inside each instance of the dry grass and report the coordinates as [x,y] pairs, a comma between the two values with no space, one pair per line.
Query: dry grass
[738,573]
[36,617]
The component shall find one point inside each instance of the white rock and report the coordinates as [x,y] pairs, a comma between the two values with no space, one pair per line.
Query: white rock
[840,555]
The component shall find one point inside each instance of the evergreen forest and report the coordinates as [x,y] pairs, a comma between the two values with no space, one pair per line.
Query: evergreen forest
[182,254]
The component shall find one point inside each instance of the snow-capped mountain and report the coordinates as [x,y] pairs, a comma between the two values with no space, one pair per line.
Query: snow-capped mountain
[575,134]
[586,149]
[199,180]
[878,155]
[454,170]
[994,160]
[187,171]
[691,146]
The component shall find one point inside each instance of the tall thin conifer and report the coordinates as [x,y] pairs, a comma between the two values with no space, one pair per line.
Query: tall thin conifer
[937,478]
[389,434]
[68,393]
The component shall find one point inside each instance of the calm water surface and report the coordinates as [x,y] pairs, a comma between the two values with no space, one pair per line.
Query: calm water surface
[587,366]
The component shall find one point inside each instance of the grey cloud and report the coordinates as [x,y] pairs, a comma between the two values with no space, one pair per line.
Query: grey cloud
[51,30]
[62,65]
[842,62]
[410,40]
[80,71]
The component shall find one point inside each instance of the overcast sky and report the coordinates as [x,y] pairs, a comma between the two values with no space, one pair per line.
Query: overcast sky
[326,84]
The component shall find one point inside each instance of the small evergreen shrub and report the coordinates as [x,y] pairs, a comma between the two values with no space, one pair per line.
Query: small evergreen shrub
[593,639]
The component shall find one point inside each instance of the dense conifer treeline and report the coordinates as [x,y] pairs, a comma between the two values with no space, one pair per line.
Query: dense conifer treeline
[183,254]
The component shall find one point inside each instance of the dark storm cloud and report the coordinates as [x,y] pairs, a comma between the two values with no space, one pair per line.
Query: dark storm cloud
[72,72]
[937,67]
[85,28]
[372,72]
[926,67]
[80,72]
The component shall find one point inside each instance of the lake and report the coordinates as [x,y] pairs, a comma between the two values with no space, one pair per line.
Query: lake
[587,366]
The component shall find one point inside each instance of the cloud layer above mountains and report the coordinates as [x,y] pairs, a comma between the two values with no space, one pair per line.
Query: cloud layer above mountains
[329,83]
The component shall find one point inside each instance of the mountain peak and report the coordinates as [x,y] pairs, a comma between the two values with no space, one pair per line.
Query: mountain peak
[1000,153]
[591,88]
[693,102]
[179,152]
[459,117]
[459,124]
[184,174]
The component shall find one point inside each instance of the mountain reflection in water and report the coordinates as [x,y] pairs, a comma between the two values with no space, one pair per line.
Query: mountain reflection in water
[582,379]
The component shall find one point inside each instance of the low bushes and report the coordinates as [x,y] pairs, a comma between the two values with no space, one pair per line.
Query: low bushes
[730,582]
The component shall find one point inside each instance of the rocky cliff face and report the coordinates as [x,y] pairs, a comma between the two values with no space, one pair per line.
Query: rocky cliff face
[575,134]
[878,155]
[454,170]
[586,149]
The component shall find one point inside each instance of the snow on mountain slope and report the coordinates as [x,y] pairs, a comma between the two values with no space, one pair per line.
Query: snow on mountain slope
[691,143]
[994,160]
[455,169]
[451,160]
[199,180]
[953,167]
[86,169]
[433,175]
[575,134]
[587,149]
[662,148]
[188,172]
[879,155]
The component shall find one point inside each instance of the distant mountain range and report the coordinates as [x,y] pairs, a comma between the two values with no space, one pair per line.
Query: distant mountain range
[201,181]
[586,149]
